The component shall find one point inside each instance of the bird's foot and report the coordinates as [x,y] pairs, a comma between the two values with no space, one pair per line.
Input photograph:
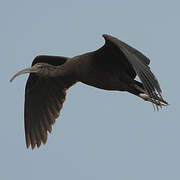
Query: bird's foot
[157,102]
[158,99]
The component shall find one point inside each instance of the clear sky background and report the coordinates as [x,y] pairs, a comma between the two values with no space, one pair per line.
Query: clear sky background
[100,134]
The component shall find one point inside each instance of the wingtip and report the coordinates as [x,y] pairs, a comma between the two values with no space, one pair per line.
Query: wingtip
[27,140]
[33,146]
[109,37]
[105,36]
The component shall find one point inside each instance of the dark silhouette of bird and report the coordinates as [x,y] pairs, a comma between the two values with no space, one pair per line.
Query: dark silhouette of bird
[112,67]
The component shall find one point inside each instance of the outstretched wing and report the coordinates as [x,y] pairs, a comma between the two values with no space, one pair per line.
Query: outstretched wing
[124,57]
[44,97]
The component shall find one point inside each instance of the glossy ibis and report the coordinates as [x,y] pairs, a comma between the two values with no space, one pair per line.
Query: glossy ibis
[112,67]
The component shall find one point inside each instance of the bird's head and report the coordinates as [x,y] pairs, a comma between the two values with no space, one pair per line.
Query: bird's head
[43,69]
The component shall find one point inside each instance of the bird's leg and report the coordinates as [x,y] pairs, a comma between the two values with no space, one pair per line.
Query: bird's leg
[146,97]
[156,104]
[140,89]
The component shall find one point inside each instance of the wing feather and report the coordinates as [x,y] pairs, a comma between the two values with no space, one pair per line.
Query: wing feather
[139,63]
[44,98]
[148,78]
[145,60]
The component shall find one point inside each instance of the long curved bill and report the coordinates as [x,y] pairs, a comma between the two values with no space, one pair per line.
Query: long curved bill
[24,71]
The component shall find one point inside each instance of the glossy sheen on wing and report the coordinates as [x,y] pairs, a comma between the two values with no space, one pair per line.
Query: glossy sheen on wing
[44,97]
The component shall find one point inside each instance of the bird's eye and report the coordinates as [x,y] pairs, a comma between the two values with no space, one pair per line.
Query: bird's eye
[41,67]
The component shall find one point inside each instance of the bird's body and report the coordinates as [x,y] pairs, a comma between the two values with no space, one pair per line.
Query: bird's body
[105,77]
[84,68]
[89,72]
[112,67]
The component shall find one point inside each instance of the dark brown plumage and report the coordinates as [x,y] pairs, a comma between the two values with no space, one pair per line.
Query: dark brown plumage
[112,67]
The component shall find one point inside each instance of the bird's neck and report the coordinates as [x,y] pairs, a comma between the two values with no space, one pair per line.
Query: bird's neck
[66,69]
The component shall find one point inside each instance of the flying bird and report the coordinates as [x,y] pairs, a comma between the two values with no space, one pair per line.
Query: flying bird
[112,67]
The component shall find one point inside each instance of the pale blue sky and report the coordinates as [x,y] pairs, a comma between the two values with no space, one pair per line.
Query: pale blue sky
[100,134]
